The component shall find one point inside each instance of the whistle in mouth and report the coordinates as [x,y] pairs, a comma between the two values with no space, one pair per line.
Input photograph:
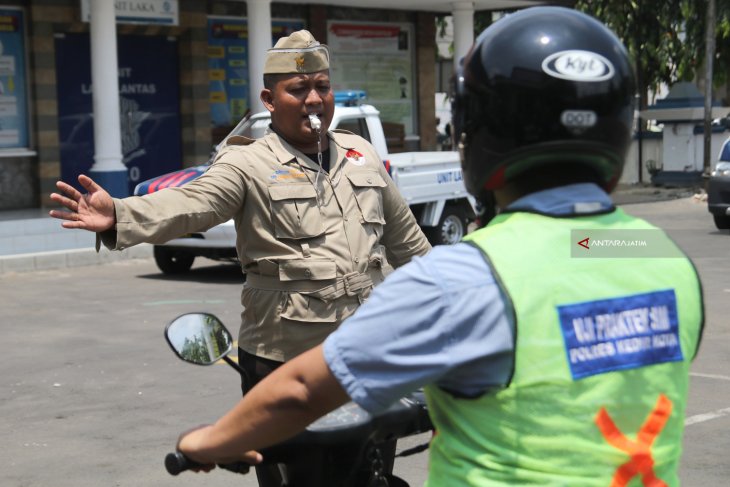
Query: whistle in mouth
[315,122]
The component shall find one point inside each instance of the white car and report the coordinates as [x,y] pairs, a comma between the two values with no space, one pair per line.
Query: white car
[430,182]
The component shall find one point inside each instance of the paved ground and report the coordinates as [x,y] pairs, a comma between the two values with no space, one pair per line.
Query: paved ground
[30,240]
[645,193]
[91,396]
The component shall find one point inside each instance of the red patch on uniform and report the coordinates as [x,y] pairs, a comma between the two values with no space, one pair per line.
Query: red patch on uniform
[353,154]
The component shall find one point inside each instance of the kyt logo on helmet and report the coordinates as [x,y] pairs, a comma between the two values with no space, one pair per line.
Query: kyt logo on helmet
[578,66]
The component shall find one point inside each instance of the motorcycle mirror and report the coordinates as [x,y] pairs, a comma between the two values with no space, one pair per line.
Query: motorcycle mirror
[199,338]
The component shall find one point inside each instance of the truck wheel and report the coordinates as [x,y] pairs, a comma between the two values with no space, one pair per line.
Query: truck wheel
[451,228]
[172,261]
[722,222]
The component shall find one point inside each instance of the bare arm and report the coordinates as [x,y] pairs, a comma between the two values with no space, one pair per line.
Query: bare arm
[93,211]
[280,406]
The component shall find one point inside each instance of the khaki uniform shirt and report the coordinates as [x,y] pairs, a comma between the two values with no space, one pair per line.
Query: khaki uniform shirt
[312,245]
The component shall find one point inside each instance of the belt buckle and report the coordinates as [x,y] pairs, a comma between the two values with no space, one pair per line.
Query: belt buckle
[346,282]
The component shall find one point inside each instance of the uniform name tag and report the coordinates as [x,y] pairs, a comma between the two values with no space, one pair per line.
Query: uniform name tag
[621,333]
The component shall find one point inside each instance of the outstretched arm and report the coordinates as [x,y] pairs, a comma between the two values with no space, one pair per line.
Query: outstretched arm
[283,404]
[93,211]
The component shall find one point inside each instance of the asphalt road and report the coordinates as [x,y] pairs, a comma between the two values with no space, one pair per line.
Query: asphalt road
[92,396]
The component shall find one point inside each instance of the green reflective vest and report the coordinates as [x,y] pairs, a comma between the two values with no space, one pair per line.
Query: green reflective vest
[602,353]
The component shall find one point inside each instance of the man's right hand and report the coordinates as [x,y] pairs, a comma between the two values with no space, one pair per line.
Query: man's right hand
[93,211]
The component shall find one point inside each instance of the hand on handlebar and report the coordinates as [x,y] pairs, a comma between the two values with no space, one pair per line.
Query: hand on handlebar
[184,444]
[191,444]
[197,467]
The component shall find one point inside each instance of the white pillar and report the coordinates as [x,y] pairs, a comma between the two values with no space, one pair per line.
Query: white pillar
[463,13]
[105,97]
[259,40]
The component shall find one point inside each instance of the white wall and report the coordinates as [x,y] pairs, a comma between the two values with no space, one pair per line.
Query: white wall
[715,146]
[653,154]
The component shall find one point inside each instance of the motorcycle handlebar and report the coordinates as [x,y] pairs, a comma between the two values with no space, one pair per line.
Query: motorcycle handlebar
[346,424]
[176,463]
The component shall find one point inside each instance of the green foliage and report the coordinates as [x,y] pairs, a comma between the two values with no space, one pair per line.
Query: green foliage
[211,345]
[665,38]
[196,350]
[441,32]
[440,26]
[482,20]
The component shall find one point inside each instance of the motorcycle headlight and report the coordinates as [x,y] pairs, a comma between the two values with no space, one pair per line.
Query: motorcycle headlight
[722,169]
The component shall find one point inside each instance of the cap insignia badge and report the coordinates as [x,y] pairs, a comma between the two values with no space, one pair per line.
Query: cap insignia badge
[300,62]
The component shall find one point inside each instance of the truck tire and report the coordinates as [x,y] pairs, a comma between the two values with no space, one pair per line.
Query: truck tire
[451,228]
[722,222]
[172,261]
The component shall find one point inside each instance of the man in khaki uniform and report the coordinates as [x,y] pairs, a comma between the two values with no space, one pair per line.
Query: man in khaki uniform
[319,222]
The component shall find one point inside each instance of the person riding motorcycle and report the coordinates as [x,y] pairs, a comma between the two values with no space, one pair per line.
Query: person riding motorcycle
[543,360]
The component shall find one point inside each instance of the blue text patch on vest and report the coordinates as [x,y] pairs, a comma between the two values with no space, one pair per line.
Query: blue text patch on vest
[620,333]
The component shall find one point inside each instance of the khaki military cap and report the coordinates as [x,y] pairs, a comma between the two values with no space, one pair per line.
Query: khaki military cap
[298,53]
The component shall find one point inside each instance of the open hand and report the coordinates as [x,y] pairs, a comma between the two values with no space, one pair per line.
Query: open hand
[93,211]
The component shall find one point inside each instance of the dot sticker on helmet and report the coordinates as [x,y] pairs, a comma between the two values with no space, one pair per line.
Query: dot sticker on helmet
[576,65]
[578,118]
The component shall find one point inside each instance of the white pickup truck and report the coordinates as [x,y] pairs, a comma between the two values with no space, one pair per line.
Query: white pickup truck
[431,183]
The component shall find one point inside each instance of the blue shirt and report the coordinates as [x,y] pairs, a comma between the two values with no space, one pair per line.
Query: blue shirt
[440,319]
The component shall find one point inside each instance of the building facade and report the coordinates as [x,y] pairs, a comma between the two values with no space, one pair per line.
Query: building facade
[183,81]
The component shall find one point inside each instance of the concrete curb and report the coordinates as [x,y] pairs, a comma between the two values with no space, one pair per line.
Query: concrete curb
[78,257]
[60,259]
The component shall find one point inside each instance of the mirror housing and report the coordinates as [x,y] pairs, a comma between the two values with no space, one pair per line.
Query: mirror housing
[199,338]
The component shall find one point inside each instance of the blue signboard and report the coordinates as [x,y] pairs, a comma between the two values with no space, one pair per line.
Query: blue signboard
[228,65]
[149,106]
[13,95]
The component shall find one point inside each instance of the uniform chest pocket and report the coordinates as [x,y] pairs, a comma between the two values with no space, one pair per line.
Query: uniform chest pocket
[294,211]
[367,188]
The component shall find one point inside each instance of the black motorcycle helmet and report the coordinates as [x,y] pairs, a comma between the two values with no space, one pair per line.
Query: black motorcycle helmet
[543,86]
